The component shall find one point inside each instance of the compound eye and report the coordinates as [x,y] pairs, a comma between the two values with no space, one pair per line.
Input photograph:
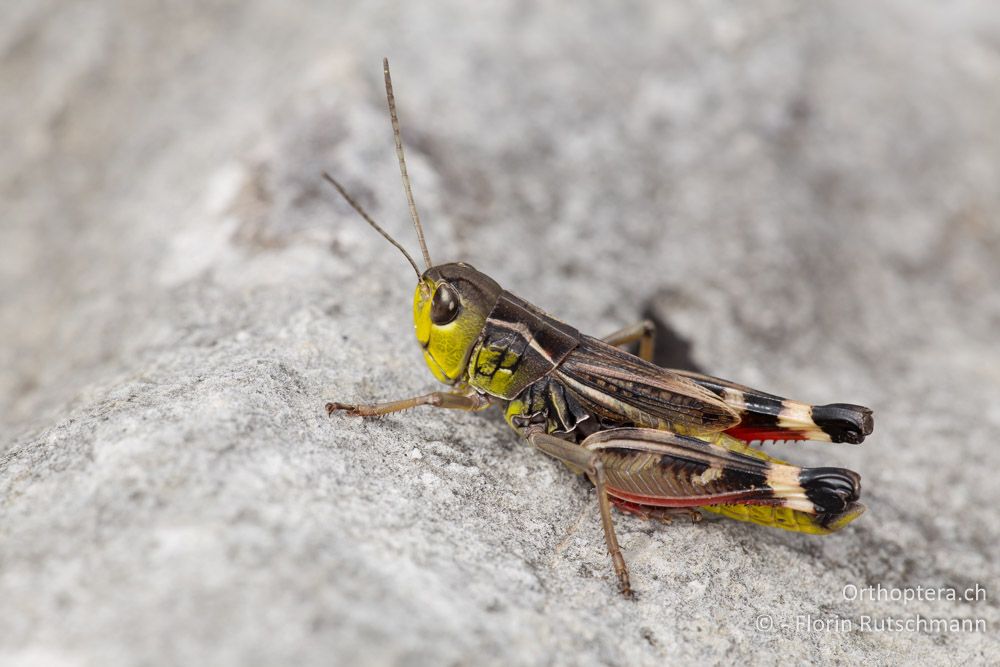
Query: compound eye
[444,307]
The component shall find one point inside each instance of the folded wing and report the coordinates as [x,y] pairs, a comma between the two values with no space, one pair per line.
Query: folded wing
[621,388]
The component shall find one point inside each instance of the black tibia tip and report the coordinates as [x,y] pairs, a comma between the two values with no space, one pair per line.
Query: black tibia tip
[831,490]
[844,422]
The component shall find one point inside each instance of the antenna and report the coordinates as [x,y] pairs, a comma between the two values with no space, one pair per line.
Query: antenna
[402,164]
[357,207]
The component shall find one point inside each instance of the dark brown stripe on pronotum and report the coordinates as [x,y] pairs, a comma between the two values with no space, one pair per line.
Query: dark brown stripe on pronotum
[831,490]
[844,422]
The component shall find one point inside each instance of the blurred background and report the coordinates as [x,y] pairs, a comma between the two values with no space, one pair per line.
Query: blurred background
[805,195]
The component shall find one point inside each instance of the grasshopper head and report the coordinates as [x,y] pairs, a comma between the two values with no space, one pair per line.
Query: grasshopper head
[450,307]
[452,301]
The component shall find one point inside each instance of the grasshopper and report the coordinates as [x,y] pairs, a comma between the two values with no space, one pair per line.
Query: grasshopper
[654,442]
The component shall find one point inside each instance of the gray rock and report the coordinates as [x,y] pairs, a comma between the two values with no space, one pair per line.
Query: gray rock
[807,193]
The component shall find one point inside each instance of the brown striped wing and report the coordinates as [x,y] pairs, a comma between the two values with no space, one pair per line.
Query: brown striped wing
[622,388]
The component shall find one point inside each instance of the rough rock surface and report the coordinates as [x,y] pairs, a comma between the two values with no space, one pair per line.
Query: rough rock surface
[807,193]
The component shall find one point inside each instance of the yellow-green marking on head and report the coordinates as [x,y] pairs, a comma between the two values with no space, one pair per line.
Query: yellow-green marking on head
[450,307]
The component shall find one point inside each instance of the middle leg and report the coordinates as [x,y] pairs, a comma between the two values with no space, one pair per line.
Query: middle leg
[644,332]
[582,459]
